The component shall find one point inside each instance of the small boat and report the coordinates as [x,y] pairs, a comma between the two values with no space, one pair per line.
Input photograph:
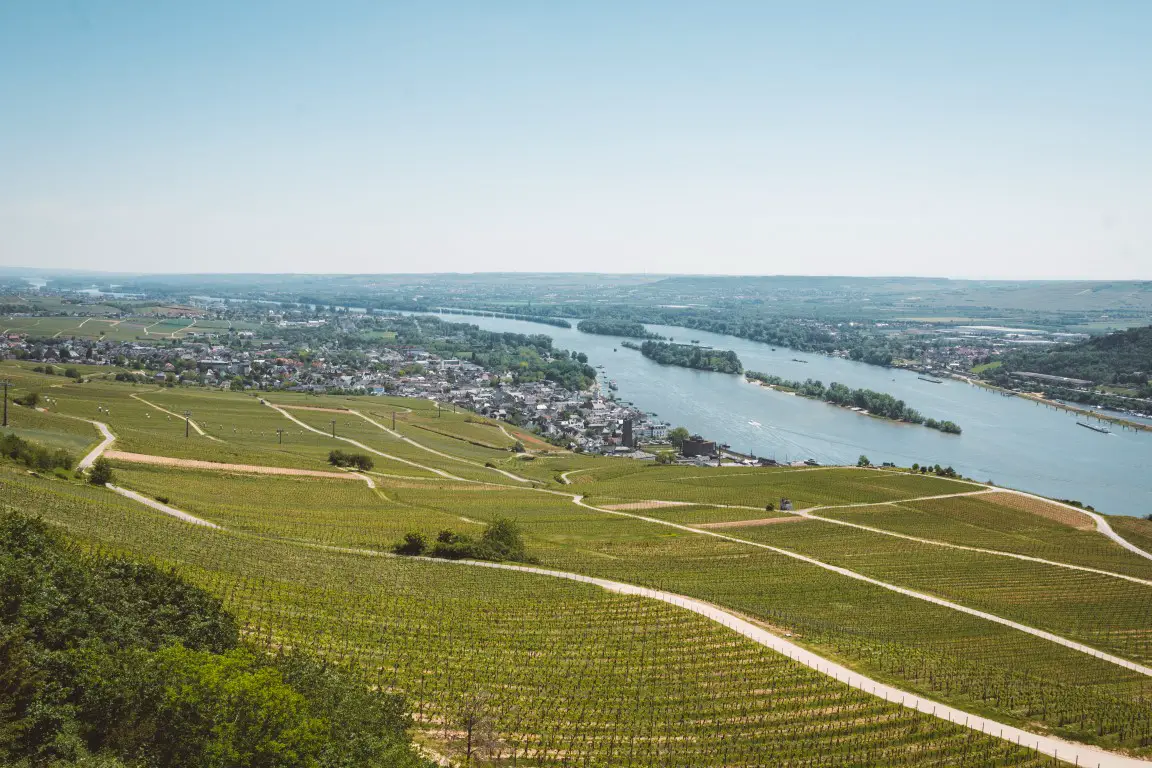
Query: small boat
[1104,430]
[930,381]
[812,463]
[798,360]
[754,423]
[612,384]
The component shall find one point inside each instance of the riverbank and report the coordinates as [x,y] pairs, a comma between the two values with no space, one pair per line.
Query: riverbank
[1041,400]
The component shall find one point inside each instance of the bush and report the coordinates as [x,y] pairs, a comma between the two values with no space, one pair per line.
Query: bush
[32,399]
[101,473]
[358,461]
[413,544]
[501,540]
[34,456]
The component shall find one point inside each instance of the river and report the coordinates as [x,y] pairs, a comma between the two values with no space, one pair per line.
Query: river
[1008,440]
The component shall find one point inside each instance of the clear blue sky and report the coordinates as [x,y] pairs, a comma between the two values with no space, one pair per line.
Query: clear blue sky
[970,139]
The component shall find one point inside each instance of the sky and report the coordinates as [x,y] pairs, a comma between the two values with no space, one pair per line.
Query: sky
[1007,139]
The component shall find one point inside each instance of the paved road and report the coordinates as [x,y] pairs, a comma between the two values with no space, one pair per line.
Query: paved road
[161,507]
[96,452]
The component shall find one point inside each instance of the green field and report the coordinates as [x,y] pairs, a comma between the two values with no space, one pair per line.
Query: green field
[573,675]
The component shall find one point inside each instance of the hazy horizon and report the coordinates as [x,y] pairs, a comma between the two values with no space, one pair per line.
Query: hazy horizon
[970,141]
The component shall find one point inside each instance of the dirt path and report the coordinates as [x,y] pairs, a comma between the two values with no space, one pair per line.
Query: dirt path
[195,427]
[96,452]
[564,475]
[422,447]
[361,446]
[652,504]
[161,507]
[807,514]
[1043,634]
[749,523]
[216,466]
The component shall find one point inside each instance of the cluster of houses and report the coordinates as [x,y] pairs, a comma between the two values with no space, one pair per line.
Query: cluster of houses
[588,421]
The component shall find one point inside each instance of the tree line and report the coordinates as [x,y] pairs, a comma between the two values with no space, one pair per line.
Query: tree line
[627,328]
[876,403]
[686,356]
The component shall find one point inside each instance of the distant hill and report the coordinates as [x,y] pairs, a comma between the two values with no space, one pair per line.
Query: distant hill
[1121,358]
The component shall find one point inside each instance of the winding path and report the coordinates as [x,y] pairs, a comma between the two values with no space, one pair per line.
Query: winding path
[1072,644]
[360,445]
[194,425]
[807,513]
[98,451]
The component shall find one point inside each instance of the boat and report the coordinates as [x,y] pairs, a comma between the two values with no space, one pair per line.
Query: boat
[930,381]
[612,384]
[812,463]
[798,360]
[1104,430]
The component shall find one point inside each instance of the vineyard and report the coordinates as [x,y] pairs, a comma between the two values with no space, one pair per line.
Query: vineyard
[554,673]
[545,671]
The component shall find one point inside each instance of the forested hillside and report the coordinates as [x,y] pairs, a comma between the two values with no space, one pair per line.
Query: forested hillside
[1123,358]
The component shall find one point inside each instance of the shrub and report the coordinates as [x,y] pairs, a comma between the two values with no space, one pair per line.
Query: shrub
[101,473]
[413,544]
[32,399]
[34,456]
[359,461]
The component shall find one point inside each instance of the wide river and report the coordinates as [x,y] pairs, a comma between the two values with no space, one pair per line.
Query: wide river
[1008,440]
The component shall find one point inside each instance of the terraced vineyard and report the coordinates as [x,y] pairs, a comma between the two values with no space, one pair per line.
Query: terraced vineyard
[557,672]
[561,673]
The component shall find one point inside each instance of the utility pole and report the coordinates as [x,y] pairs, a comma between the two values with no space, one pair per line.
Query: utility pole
[393,421]
[187,416]
[280,434]
[333,427]
[6,382]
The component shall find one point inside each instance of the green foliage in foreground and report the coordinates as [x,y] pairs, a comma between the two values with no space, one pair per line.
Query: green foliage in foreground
[124,661]
[876,403]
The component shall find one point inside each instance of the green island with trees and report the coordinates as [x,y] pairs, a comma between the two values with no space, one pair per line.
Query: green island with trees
[627,328]
[688,356]
[875,403]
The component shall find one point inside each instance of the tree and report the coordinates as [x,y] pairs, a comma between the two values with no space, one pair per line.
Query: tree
[863,461]
[101,472]
[413,544]
[665,457]
[678,435]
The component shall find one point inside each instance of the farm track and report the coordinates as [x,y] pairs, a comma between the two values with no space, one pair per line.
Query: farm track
[1080,754]
[96,452]
[1043,634]
[408,440]
[194,425]
[808,515]
[215,466]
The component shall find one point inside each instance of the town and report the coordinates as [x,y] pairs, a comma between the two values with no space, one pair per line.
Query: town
[330,351]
